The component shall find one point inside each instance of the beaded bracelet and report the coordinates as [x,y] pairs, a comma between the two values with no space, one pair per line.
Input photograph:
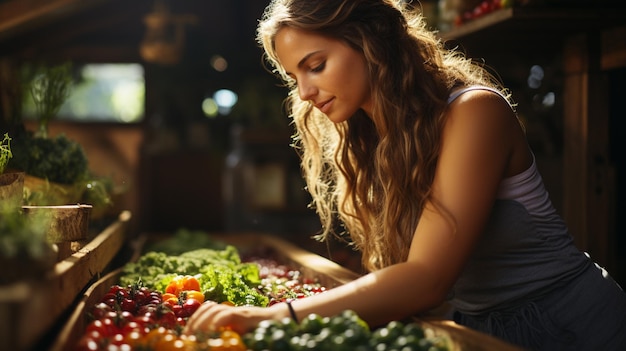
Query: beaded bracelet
[291,310]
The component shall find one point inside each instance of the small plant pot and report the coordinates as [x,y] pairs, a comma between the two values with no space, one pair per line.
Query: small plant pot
[66,223]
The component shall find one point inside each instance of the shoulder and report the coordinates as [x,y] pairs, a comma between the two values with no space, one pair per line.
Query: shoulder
[485,122]
[480,100]
[485,109]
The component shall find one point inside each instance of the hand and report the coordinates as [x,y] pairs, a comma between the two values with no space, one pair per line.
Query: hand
[212,316]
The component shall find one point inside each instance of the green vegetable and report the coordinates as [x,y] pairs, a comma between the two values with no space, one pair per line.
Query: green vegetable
[184,240]
[222,275]
[344,331]
[5,152]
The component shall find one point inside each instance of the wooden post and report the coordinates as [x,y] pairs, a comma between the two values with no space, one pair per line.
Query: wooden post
[587,175]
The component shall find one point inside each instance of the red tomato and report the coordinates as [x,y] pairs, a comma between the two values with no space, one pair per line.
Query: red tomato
[145,321]
[189,307]
[149,308]
[100,310]
[87,343]
[105,326]
[177,309]
[166,318]
[128,304]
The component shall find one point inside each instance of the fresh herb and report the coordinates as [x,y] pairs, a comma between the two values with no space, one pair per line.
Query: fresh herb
[49,90]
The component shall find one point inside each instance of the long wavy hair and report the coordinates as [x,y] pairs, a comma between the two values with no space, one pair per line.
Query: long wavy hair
[373,174]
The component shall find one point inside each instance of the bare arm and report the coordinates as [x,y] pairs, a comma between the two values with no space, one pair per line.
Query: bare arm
[482,143]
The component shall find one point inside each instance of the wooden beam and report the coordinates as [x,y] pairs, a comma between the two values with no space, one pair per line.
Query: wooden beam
[24,15]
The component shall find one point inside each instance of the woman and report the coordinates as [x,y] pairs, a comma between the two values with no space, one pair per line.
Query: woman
[420,156]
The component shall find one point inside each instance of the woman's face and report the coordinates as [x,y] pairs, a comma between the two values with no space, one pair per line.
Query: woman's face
[329,73]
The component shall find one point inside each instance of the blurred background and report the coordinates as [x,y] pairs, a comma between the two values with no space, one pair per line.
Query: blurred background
[171,101]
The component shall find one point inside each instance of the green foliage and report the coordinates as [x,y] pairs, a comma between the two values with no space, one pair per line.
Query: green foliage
[58,159]
[49,89]
[5,152]
[23,235]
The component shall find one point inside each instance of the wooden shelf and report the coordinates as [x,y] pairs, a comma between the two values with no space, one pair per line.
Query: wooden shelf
[28,309]
[543,28]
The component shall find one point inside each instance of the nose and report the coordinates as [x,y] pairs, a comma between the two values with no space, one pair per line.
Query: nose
[306,90]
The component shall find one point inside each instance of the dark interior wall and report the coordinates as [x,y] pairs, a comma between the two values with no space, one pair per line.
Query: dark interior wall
[617,144]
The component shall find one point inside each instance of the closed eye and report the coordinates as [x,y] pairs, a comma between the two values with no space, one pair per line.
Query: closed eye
[319,67]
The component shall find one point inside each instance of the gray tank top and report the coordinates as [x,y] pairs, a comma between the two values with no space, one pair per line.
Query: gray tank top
[525,250]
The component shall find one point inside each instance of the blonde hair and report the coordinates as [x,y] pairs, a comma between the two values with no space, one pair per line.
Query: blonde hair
[373,173]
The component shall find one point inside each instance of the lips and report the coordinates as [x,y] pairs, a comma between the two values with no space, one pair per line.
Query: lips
[324,106]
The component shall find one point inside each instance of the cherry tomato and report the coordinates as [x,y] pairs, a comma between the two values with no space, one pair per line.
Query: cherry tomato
[105,326]
[148,308]
[128,304]
[177,309]
[166,318]
[100,310]
[189,307]
[144,321]
[87,343]
[114,289]
[142,296]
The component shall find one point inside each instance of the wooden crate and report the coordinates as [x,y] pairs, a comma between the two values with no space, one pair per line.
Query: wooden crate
[28,310]
[311,265]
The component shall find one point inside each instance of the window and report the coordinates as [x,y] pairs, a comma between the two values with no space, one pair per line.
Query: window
[102,93]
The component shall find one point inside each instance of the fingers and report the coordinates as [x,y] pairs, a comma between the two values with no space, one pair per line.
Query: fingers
[202,319]
[212,316]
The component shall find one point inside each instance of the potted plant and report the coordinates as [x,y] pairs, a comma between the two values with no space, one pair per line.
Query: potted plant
[23,240]
[56,167]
